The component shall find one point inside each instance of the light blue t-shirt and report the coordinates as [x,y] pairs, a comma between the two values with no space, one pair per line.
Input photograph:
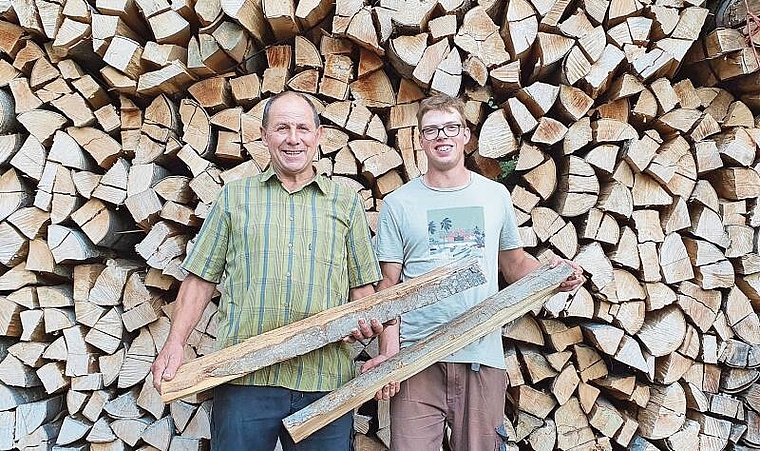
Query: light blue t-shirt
[423,228]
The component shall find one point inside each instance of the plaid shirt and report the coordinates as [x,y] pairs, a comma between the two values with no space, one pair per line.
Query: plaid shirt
[285,256]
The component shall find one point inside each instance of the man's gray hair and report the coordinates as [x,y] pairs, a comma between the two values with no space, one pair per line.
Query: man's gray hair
[273,99]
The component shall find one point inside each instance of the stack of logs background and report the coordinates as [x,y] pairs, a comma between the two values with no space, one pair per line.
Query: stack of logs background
[624,130]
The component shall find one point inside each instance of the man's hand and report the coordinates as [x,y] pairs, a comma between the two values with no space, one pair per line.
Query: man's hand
[167,362]
[390,389]
[574,280]
[367,330]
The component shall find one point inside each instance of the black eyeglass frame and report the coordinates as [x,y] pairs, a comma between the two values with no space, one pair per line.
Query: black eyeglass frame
[438,131]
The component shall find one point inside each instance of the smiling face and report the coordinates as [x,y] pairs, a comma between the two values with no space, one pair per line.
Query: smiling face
[292,138]
[444,153]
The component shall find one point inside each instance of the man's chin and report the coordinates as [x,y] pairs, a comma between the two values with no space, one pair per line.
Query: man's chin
[446,160]
[443,166]
[296,168]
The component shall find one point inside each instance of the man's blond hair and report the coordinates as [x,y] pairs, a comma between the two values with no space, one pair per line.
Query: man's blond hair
[440,102]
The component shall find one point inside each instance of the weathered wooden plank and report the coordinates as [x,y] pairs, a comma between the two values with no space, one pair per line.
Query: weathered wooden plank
[316,331]
[507,305]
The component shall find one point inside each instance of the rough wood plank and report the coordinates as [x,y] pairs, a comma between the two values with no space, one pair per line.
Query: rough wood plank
[492,313]
[316,331]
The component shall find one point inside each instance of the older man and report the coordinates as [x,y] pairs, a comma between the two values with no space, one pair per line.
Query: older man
[448,213]
[290,243]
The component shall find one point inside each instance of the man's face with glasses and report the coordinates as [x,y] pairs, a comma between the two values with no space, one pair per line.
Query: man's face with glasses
[443,135]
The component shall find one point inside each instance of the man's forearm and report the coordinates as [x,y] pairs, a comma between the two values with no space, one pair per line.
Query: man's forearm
[514,269]
[194,294]
[389,340]
[354,294]
[385,283]
[529,264]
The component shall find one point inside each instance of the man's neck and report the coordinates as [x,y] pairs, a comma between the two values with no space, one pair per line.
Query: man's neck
[296,182]
[452,178]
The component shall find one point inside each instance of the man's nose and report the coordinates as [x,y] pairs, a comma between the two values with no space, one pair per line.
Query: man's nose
[292,135]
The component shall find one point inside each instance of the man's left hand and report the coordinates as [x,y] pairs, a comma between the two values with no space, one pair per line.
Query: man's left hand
[367,330]
[574,280]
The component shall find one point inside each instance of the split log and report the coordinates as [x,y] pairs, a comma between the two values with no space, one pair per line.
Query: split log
[664,413]
[509,304]
[232,362]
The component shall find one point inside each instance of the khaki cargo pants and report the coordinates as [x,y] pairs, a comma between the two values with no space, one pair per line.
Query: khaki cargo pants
[470,402]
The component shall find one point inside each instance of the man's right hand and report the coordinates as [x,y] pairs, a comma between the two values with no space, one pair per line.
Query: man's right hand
[390,389]
[167,362]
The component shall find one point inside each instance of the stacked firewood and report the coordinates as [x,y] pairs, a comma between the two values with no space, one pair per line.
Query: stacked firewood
[626,136]
[730,57]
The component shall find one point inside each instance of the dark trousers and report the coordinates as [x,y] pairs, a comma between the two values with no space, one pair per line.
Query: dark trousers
[250,418]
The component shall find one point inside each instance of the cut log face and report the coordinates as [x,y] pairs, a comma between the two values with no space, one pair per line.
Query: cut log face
[496,138]
[664,413]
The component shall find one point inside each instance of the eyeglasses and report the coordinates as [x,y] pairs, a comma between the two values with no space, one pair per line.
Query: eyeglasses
[449,130]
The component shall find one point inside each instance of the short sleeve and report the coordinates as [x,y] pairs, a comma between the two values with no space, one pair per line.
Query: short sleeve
[363,268]
[207,258]
[389,246]
[510,234]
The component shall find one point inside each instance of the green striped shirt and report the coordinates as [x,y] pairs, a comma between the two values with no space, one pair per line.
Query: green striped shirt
[284,257]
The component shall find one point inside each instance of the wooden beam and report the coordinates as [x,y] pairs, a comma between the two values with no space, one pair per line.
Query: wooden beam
[319,330]
[507,305]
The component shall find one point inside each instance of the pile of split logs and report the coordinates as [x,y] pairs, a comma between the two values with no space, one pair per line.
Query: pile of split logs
[635,153]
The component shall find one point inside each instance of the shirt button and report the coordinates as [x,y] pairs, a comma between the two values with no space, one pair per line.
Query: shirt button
[291,218]
[288,274]
[290,245]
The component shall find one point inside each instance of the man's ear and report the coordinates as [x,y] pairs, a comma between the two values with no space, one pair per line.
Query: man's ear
[263,133]
[467,134]
[320,130]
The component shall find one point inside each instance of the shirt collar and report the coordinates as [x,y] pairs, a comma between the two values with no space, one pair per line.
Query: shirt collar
[320,180]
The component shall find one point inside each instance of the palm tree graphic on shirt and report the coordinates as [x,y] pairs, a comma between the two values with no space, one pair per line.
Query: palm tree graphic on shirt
[445,226]
[432,228]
